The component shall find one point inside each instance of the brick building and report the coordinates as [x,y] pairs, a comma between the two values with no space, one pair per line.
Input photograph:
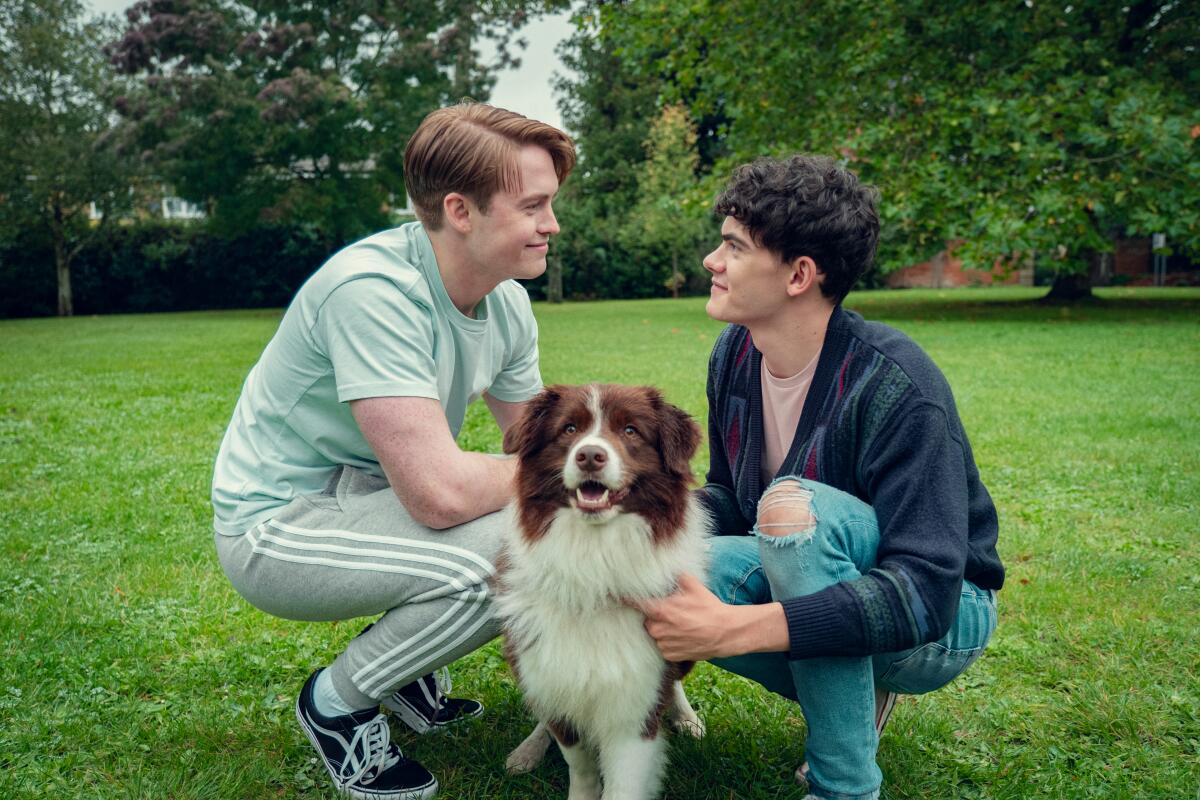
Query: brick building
[944,271]
[1131,263]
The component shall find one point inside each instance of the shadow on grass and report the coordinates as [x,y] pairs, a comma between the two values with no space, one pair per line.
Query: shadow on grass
[1107,306]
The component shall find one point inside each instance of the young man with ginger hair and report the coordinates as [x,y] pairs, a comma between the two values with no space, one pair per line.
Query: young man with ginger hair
[339,490]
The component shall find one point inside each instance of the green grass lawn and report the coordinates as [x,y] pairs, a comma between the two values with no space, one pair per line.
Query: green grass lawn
[130,668]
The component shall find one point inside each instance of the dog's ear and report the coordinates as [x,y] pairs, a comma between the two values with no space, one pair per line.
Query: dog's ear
[678,435]
[532,431]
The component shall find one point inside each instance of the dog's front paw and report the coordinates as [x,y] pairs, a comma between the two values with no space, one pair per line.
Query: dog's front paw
[529,753]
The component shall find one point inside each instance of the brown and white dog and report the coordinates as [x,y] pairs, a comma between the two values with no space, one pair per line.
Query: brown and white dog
[604,515]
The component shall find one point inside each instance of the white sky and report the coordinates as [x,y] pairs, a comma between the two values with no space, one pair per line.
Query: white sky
[526,90]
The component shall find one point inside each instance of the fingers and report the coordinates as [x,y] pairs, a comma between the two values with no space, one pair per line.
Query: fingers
[650,606]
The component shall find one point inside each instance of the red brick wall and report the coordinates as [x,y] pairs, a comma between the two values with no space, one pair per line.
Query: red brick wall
[944,271]
[1131,257]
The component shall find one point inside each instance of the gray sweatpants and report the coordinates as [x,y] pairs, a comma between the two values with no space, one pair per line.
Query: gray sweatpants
[354,551]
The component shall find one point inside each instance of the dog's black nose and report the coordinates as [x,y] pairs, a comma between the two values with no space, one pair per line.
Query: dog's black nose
[591,458]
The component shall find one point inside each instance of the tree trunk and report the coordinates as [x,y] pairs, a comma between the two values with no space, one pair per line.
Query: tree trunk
[1070,287]
[554,287]
[939,267]
[62,264]
[675,279]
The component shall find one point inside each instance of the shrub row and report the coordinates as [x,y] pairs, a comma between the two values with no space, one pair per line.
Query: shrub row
[173,266]
[164,267]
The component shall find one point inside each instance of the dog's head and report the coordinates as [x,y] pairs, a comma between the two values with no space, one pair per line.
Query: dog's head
[601,450]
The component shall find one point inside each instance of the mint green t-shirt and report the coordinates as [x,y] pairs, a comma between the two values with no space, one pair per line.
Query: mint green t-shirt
[373,321]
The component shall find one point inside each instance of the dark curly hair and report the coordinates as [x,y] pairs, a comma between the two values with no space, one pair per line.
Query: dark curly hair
[807,206]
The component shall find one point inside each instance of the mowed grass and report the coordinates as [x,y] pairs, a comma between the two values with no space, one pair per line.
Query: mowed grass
[130,669]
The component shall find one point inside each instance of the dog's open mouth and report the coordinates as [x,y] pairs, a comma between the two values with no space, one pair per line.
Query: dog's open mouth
[593,497]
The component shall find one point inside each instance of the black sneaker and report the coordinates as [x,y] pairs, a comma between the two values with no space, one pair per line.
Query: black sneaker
[423,705]
[358,752]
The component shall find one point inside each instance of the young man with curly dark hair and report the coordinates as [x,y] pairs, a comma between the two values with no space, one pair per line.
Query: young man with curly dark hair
[856,556]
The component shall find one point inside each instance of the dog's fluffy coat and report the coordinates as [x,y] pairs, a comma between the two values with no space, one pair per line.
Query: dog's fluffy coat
[604,516]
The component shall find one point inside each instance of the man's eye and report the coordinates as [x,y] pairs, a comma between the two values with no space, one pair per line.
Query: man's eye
[630,430]
[570,428]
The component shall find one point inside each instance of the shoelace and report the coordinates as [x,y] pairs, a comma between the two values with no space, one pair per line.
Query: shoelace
[368,749]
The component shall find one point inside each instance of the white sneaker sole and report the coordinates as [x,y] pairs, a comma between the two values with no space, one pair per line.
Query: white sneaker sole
[416,720]
[424,793]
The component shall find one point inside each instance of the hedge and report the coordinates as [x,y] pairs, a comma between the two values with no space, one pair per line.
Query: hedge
[165,267]
[174,266]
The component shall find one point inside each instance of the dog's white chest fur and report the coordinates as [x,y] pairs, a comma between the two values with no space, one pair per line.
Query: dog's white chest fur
[603,517]
[583,656]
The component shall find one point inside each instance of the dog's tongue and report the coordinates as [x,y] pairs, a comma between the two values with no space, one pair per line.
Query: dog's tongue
[592,496]
[592,492]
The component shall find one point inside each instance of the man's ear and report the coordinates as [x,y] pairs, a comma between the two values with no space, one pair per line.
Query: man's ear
[532,431]
[456,210]
[803,276]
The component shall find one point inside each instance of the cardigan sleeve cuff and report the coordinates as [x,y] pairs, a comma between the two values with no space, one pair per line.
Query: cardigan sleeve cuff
[816,626]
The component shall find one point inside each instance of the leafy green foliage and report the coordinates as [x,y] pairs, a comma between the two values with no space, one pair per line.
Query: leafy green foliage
[1015,128]
[168,266]
[56,135]
[280,111]
[670,222]
[608,111]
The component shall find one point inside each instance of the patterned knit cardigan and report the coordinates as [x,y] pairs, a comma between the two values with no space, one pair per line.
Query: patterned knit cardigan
[879,423]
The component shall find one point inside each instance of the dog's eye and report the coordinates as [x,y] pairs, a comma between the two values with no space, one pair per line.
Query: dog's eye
[630,430]
[570,428]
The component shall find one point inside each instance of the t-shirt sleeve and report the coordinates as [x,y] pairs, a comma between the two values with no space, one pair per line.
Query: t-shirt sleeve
[379,341]
[521,377]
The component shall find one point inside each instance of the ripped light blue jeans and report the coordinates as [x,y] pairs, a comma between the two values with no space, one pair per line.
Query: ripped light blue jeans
[837,695]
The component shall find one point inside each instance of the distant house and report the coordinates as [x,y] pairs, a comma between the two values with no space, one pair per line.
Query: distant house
[156,202]
[308,168]
[1135,262]
[178,208]
[1132,262]
[944,271]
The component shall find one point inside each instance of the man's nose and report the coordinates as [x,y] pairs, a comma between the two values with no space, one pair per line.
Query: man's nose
[591,458]
[549,225]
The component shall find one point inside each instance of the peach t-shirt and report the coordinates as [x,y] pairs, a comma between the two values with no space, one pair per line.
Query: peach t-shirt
[783,402]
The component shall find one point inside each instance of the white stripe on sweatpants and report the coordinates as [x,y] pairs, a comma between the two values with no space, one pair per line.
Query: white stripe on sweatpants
[381,681]
[353,536]
[472,578]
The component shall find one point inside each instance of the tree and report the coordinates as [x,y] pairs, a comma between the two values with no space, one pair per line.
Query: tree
[610,104]
[56,133]
[608,111]
[670,216]
[1015,128]
[276,110]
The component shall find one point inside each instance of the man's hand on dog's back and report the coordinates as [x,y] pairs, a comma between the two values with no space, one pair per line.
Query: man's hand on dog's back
[694,625]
